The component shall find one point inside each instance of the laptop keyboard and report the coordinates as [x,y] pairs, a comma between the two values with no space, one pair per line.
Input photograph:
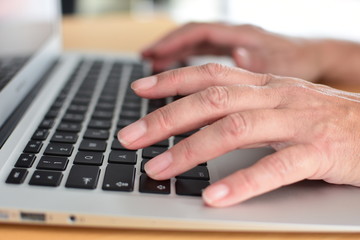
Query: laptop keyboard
[76,146]
[9,66]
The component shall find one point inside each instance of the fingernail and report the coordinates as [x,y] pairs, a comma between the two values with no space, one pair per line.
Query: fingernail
[244,56]
[215,193]
[144,83]
[158,164]
[132,132]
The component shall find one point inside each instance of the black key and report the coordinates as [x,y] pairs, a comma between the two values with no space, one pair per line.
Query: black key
[130,108]
[199,172]
[177,139]
[131,104]
[119,177]
[155,104]
[164,143]
[46,123]
[148,185]
[17,176]
[46,178]
[102,115]
[53,163]
[127,157]
[60,149]
[58,103]
[151,152]
[190,187]
[33,147]
[25,160]
[64,137]
[89,158]
[52,113]
[104,106]
[81,101]
[40,134]
[92,145]
[74,108]
[99,124]
[125,122]
[125,114]
[69,127]
[187,134]
[142,169]
[116,145]
[109,99]
[82,176]
[97,134]
[73,117]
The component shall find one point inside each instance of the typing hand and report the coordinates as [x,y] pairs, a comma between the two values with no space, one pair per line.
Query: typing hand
[314,128]
[251,47]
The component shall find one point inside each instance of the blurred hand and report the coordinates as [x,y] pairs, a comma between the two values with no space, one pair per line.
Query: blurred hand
[251,47]
[314,128]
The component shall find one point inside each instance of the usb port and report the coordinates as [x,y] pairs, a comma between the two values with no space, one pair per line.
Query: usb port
[37,217]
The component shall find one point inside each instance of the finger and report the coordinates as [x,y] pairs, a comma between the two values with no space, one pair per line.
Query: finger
[195,111]
[165,62]
[194,34]
[242,58]
[287,166]
[238,130]
[249,59]
[184,81]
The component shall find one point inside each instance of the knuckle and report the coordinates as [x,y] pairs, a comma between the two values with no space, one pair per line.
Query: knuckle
[265,78]
[164,119]
[277,167]
[250,29]
[249,183]
[173,77]
[187,151]
[234,126]
[215,98]
[215,71]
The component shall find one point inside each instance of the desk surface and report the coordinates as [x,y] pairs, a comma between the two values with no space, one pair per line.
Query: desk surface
[124,33]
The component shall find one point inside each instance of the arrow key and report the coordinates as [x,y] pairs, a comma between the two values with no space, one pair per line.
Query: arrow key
[148,185]
[119,177]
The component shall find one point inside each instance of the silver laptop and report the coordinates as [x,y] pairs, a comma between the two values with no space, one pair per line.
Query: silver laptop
[61,164]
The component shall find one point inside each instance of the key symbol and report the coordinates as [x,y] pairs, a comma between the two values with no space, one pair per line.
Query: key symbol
[161,187]
[86,180]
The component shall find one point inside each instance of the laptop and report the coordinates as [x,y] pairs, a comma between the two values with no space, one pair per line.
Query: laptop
[61,164]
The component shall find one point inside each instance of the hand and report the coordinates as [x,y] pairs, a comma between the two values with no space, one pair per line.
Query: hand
[252,48]
[313,128]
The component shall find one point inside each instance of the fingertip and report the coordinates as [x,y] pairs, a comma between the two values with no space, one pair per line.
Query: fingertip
[156,167]
[128,135]
[216,194]
[242,57]
[144,83]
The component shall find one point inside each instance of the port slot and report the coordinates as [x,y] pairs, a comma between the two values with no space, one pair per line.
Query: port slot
[29,216]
